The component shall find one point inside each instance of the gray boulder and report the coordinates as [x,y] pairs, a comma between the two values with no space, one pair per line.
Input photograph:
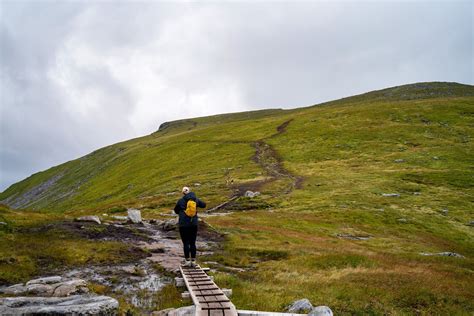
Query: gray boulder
[300,306]
[73,305]
[134,216]
[321,311]
[93,218]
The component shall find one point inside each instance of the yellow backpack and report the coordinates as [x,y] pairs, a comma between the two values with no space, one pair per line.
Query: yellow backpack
[191,208]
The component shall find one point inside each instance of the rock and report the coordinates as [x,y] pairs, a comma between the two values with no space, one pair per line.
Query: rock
[444,211]
[105,214]
[197,184]
[120,218]
[471,223]
[134,216]
[46,280]
[435,158]
[93,218]
[353,237]
[3,224]
[402,220]
[391,194]
[163,312]
[170,224]
[40,289]
[321,311]
[16,289]
[416,193]
[399,160]
[49,286]
[251,194]
[182,311]
[77,305]
[300,306]
[444,254]
[74,286]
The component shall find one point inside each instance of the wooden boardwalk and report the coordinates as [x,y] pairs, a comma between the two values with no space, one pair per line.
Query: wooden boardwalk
[208,298]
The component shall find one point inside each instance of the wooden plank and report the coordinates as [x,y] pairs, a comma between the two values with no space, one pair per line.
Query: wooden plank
[206,295]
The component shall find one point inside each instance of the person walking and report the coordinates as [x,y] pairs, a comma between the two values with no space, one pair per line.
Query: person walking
[186,208]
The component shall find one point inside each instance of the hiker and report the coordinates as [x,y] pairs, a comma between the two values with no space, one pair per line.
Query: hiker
[186,208]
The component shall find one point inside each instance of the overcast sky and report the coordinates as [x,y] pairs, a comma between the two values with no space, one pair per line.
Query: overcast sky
[76,76]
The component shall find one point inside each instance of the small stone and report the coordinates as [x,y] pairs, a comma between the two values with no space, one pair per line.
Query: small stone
[390,194]
[251,194]
[3,224]
[300,306]
[93,218]
[134,216]
[105,214]
[471,223]
[197,184]
[435,158]
[120,218]
[321,311]
[444,211]
[416,193]
[402,220]
[399,160]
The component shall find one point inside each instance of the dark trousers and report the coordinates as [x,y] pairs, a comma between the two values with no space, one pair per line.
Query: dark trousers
[188,236]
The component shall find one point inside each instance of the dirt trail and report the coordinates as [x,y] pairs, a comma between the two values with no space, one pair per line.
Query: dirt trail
[272,164]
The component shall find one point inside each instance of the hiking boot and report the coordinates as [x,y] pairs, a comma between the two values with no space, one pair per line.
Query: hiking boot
[193,263]
[186,263]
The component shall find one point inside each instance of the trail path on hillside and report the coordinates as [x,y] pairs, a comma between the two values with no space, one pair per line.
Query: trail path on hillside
[272,164]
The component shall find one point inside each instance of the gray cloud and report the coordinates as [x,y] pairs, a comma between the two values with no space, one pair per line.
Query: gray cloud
[76,76]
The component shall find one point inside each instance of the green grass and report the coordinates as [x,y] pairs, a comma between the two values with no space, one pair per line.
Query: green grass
[413,140]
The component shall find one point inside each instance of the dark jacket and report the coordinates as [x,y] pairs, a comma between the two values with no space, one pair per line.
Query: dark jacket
[185,220]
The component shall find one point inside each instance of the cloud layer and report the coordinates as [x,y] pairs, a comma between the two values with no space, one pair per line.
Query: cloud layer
[76,76]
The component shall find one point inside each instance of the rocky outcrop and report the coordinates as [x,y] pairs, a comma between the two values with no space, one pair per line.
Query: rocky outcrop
[72,305]
[49,286]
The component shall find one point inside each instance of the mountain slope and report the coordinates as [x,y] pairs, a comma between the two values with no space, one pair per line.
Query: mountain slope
[324,173]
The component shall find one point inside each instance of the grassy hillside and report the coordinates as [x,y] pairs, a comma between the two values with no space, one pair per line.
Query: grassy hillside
[323,172]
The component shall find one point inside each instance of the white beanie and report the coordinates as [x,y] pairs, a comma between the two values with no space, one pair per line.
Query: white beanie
[185,190]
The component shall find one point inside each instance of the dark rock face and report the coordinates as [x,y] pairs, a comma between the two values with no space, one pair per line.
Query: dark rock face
[72,305]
